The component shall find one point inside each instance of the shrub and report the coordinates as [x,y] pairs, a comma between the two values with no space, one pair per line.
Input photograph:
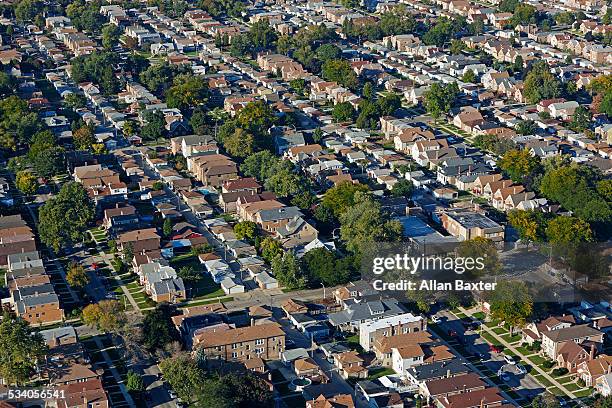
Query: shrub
[548,364]
[560,371]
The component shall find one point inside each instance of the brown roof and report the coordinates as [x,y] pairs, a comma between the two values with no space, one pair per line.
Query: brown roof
[84,394]
[241,183]
[458,383]
[137,235]
[474,399]
[303,364]
[385,344]
[337,401]
[242,334]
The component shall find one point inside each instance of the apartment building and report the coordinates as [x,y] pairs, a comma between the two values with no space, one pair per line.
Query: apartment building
[467,225]
[553,340]
[266,341]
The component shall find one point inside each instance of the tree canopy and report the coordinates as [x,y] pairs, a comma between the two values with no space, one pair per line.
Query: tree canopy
[21,350]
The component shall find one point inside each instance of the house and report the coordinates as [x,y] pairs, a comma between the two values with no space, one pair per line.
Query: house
[139,240]
[488,397]
[357,313]
[350,365]
[82,394]
[266,341]
[444,387]
[603,385]
[370,332]
[120,218]
[15,237]
[419,374]
[335,401]
[38,305]
[296,232]
[553,340]
[468,118]
[590,371]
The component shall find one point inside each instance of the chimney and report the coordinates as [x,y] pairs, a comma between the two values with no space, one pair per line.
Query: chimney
[448,373]
[592,352]
[252,321]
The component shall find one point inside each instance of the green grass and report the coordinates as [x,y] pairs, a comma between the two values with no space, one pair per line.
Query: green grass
[511,339]
[208,302]
[380,372]
[205,288]
[499,330]
[490,339]
[479,315]
[572,386]
[584,393]
[524,350]
[542,380]
[537,360]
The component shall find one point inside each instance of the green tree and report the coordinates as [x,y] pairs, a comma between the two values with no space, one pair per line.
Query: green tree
[107,316]
[158,331]
[134,382]
[328,52]
[581,120]
[246,230]
[403,188]
[240,143]
[110,35]
[17,123]
[270,248]
[483,248]
[75,100]
[524,14]
[526,127]
[187,91]
[154,127]
[457,46]
[439,99]
[63,219]
[343,112]
[342,196]
[528,224]
[26,182]
[77,276]
[21,349]
[167,227]
[317,135]
[324,266]
[541,84]
[518,164]
[340,71]
[568,230]
[511,302]
[189,274]
[288,271]
[262,35]
[388,104]
[469,77]
[364,223]
[184,376]
[256,118]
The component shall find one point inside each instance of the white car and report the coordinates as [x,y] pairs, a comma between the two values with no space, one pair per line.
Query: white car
[435,319]
[509,360]
[172,394]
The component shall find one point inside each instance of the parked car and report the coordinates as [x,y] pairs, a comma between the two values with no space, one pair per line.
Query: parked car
[435,319]
[509,360]
[452,333]
[495,349]
[505,377]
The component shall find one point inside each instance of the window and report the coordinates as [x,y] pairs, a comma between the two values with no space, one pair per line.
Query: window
[259,342]
[259,350]
[234,355]
[234,346]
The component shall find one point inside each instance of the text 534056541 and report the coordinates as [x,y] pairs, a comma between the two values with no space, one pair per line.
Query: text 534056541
[29,394]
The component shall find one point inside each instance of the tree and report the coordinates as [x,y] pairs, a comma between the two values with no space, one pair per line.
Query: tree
[364,223]
[77,276]
[184,376]
[567,230]
[154,127]
[262,35]
[541,84]
[270,248]
[528,224]
[324,266]
[511,302]
[483,248]
[469,76]
[457,46]
[403,188]
[439,99]
[524,14]
[134,382]
[17,123]
[343,112]
[518,164]
[110,35]
[26,182]
[157,328]
[189,274]
[107,316]
[369,91]
[526,127]
[317,135]
[288,271]
[63,219]
[342,196]
[167,227]
[83,138]
[187,91]
[129,128]
[256,118]
[246,230]
[548,400]
[75,100]
[240,143]
[581,120]
[21,350]
[299,85]
[340,71]
[387,105]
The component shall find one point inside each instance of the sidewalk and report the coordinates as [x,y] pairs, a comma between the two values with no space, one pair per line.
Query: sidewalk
[523,357]
[114,372]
